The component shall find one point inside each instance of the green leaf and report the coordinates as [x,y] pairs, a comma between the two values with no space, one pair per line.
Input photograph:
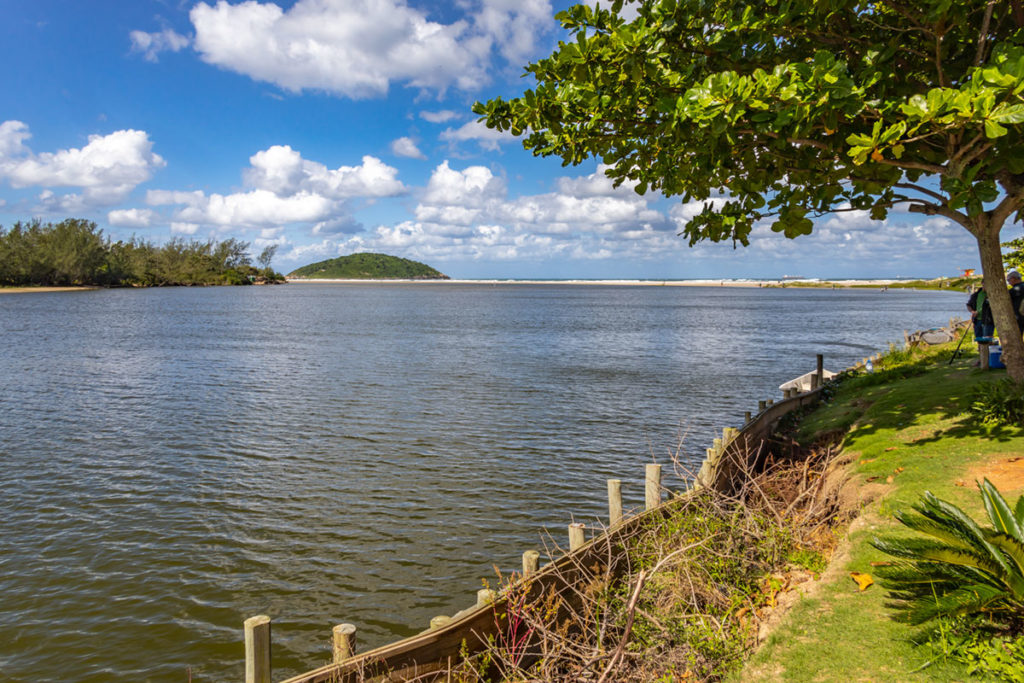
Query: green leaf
[1009,114]
[993,129]
[999,512]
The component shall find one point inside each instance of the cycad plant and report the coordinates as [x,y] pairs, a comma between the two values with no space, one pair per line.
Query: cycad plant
[962,568]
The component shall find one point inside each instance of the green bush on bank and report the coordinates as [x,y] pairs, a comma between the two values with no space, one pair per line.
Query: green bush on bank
[75,252]
[999,403]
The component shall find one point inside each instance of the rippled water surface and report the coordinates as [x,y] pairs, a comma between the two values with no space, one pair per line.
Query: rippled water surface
[173,461]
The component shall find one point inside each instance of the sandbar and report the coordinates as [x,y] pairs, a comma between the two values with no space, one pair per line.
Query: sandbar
[637,283]
[25,290]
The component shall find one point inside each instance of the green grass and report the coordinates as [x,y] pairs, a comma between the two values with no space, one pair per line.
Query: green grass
[907,430]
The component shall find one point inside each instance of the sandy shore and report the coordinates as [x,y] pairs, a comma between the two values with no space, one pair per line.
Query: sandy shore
[25,290]
[636,283]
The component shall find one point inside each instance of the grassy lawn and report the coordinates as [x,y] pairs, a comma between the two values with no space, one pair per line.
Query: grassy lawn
[903,436]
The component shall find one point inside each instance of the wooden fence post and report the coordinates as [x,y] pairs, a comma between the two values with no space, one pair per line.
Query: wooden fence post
[614,502]
[531,562]
[257,649]
[652,486]
[485,596]
[576,535]
[820,371]
[344,642]
[439,621]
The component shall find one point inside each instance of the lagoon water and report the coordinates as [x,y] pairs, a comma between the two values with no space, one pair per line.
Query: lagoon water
[173,461]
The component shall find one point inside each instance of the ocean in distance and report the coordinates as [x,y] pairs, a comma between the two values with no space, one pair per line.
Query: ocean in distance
[176,460]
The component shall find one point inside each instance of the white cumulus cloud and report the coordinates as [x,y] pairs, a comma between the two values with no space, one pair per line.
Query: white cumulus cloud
[406,147]
[354,48]
[283,171]
[442,116]
[284,189]
[184,228]
[107,169]
[516,23]
[152,44]
[12,137]
[470,187]
[488,138]
[131,218]
[358,48]
[468,214]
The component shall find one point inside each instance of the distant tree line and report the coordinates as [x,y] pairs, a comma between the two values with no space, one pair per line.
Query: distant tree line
[75,252]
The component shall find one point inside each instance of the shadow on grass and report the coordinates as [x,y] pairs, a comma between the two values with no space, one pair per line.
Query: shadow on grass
[920,389]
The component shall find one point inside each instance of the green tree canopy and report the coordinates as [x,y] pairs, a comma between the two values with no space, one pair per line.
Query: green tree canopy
[785,110]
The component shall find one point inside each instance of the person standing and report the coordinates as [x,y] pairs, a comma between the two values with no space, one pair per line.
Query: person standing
[1016,297]
[981,316]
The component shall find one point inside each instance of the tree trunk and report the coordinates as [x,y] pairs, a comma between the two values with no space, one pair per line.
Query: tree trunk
[994,280]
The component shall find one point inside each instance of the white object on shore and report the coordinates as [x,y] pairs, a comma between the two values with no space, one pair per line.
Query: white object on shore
[937,336]
[803,382]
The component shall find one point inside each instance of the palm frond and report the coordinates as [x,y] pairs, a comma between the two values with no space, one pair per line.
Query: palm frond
[955,518]
[1018,511]
[1014,552]
[966,600]
[934,551]
[940,530]
[1003,519]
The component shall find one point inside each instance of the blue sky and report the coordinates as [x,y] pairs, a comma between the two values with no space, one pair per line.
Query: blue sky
[334,126]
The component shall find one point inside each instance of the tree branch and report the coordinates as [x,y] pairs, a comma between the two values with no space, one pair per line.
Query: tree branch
[1010,204]
[929,209]
[983,33]
[922,190]
[916,165]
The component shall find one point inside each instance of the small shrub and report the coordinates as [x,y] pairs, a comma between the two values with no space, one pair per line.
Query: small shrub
[811,560]
[982,651]
[999,403]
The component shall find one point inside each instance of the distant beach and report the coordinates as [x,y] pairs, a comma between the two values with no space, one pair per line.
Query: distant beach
[639,283]
[25,290]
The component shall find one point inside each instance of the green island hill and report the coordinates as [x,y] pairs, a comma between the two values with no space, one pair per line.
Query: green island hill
[367,266]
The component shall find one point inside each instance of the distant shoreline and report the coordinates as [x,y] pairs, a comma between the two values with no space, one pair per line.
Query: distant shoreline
[25,290]
[804,283]
[635,283]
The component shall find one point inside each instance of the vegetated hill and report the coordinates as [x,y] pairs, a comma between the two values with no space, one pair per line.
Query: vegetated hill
[369,267]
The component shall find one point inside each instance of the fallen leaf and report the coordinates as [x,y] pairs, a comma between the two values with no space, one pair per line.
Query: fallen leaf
[897,470]
[872,478]
[881,564]
[867,460]
[863,580]
[888,480]
[960,482]
[891,448]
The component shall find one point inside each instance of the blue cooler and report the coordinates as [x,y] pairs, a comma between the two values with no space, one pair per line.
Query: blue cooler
[995,357]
